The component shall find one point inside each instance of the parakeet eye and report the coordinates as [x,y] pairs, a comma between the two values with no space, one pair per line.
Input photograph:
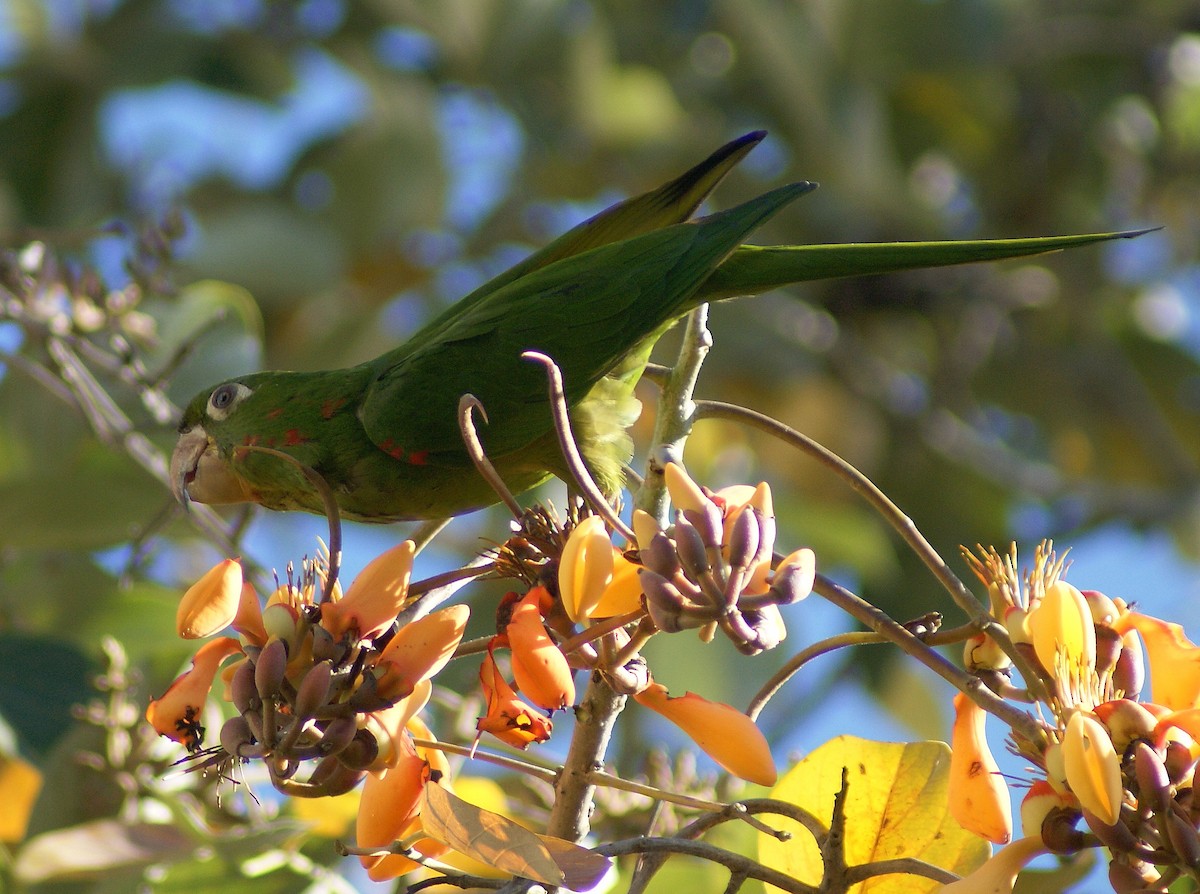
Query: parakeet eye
[224,398]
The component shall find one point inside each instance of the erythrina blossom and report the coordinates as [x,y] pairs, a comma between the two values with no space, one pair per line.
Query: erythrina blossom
[507,717]
[375,597]
[978,795]
[389,802]
[1174,660]
[419,650]
[586,568]
[176,714]
[211,603]
[722,732]
[539,667]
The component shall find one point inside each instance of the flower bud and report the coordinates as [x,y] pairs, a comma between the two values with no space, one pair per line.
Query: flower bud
[332,777]
[659,556]
[1184,840]
[236,737]
[663,601]
[1129,673]
[1154,786]
[242,691]
[338,734]
[270,668]
[793,578]
[313,691]
[362,751]
[691,550]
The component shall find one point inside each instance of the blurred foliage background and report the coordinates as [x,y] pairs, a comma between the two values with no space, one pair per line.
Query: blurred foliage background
[299,184]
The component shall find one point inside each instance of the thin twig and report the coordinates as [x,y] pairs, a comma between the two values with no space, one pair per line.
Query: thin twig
[483,465]
[570,450]
[676,413]
[962,596]
[895,632]
[797,661]
[735,863]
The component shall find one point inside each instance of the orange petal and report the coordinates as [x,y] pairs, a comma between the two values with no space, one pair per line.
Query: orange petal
[1062,622]
[420,649]
[508,718]
[375,597]
[211,603]
[722,732]
[586,568]
[977,794]
[1092,767]
[685,493]
[249,618]
[177,714]
[389,725]
[388,803]
[1174,660]
[540,669]
[623,593]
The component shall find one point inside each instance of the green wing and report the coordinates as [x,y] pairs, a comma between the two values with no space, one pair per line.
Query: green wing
[585,311]
[669,204]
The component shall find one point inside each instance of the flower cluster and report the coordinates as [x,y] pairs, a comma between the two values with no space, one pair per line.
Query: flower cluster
[325,689]
[713,569]
[1115,768]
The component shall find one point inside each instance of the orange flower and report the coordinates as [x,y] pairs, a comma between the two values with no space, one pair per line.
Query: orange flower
[388,804]
[177,714]
[375,597]
[722,732]
[1093,767]
[586,568]
[1061,624]
[419,650]
[978,795]
[539,667]
[508,718]
[249,619]
[1174,660]
[211,603]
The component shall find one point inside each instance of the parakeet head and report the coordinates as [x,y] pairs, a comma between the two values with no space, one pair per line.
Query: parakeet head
[213,420]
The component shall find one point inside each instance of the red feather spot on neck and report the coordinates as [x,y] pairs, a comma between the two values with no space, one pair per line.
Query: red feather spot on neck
[250,440]
[292,437]
[275,413]
[331,406]
[419,457]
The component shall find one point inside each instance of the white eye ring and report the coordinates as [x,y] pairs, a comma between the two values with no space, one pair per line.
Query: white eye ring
[224,398]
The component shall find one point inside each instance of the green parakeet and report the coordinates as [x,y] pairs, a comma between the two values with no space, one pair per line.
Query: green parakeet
[385,435]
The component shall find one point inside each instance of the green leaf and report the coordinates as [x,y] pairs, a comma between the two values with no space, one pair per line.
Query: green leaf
[41,677]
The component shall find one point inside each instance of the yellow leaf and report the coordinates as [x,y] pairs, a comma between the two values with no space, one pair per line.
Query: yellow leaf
[20,783]
[896,806]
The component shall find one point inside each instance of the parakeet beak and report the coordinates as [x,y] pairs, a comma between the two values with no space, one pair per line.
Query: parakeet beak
[198,472]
